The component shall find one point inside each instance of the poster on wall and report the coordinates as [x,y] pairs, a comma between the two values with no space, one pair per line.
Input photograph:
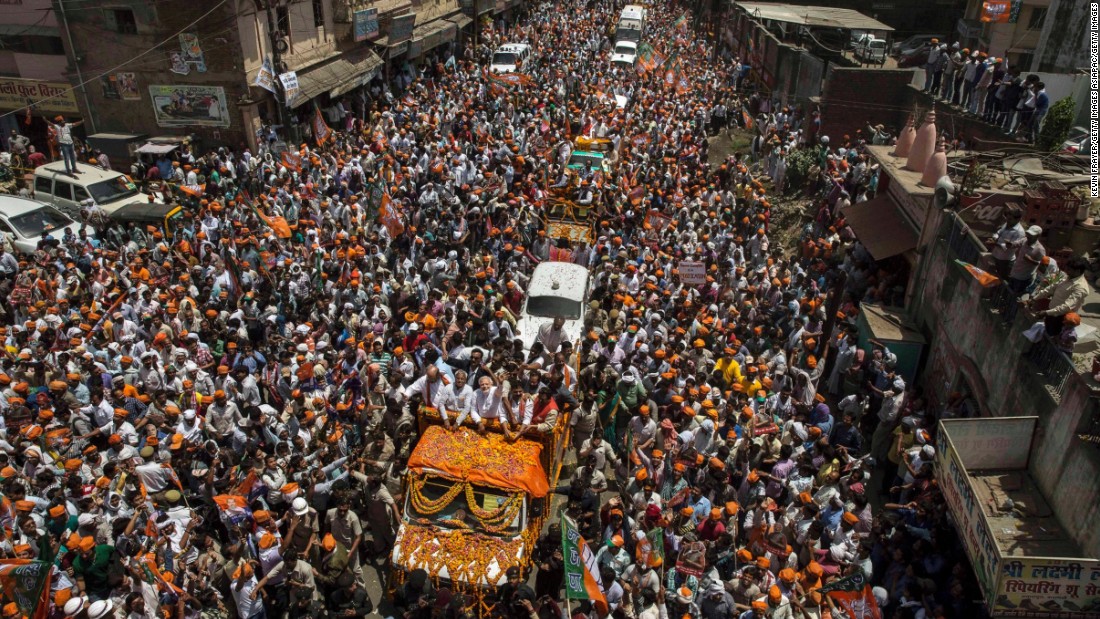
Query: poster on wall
[109,83]
[265,77]
[127,86]
[365,25]
[185,106]
[996,11]
[192,51]
[290,85]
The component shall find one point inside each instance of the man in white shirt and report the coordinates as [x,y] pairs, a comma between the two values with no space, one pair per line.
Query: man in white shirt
[456,398]
[487,403]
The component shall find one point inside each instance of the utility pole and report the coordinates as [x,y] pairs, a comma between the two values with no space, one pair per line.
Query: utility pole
[275,42]
[76,65]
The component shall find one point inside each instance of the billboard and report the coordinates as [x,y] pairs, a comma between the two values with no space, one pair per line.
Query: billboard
[47,97]
[189,106]
[365,25]
[1014,585]
[401,28]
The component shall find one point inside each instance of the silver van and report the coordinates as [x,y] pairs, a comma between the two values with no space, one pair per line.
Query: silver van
[108,189]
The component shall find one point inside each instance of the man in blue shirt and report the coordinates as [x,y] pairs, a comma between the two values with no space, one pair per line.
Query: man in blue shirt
[1042,105]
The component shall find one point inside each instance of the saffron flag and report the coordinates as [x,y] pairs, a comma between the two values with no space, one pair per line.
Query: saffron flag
[194,190]
[582,575]
[650,550]
[233,508]
[293,161]
[985,278]
[681,22]
[321,131]
[27,584]
[853,594]
[389,216]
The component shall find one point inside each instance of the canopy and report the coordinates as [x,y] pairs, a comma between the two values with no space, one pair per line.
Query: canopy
[489,460]
[153,148]
[881,227]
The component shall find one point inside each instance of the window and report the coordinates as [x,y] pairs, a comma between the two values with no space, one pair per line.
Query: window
[62,190]
[43,185]
[1023,60]
[1038,14]
[32,44]
[81,194]
[318,14]
[4,227]
[124,21]
[36,223]
[282,20]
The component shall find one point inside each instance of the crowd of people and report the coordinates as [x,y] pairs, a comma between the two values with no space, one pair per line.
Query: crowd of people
[146,375]
[986,86]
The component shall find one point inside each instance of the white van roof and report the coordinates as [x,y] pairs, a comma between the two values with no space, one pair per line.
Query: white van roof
[88,174]
[633,11]
[14,206]
[513,47]
[559,279]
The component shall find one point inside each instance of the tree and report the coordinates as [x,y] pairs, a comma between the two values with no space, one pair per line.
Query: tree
[1056,125]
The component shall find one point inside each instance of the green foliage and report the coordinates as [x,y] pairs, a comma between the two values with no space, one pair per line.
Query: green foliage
[1056,125]
[799,163]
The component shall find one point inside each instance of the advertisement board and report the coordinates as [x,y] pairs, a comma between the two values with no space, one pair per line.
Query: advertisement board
[1012,586]
[47,97]
[401,28]
[188,106]
[365,25]
[967,512]
[1056,588]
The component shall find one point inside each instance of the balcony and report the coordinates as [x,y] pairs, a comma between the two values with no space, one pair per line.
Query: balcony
[1004,320]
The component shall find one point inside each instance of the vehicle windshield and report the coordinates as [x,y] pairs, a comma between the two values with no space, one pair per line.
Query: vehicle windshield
[625,49]
[37,223]
[457,514]
[548,307]
[586,161]
[504,58]
[113,189]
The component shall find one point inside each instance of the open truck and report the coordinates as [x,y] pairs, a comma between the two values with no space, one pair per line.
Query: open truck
[475,505]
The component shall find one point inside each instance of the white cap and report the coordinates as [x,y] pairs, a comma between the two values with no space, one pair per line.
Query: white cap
[100,609]
[299,506]
[189,414]
[75,605]
[85,520]
[928,451]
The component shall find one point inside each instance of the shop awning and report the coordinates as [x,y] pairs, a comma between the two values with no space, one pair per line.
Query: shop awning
[880,226]
[385,7]
[156,149]
[336,75]
[461,21]
[431,35]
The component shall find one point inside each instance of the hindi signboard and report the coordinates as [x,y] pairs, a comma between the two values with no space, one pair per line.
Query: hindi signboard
[692,272]
[47,97]
[401,28]
[365,25]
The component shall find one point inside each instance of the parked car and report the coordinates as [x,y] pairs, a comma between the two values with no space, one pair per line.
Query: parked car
[914,42]
[1079,141]
[24,222]
[917,58]
[871,51]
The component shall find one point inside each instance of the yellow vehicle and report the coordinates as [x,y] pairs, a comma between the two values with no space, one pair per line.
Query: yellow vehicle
[475,505]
